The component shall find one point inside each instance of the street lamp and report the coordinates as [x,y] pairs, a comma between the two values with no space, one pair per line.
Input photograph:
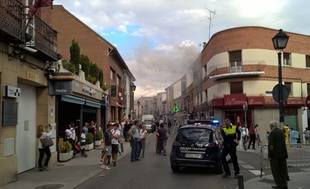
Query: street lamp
[279,43]
[138,109]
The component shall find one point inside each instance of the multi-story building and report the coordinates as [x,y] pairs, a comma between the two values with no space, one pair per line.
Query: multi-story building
[26,54]
[241,68]
[101,52]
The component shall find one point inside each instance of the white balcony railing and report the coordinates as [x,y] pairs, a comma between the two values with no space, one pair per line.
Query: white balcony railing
[235,69]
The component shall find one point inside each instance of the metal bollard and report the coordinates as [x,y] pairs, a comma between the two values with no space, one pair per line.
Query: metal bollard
[240,182]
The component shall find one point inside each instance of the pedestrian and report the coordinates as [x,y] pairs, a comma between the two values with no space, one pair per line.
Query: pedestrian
[294,136]
[126,129]
[135,141]
[44,143]
[169,127]
[85,128]
[277,154]
[143,135]
[307,136]
[116,134]
[252,133]
[244,137]
[72,138]
[106,152]
[83,143]
[162,139]
[231,136]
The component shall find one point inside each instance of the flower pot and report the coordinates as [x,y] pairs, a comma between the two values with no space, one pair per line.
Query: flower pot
[97,142]
[89,146]
[63,157]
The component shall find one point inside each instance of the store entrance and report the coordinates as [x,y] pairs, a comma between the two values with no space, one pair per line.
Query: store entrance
[67,113]
[237,117]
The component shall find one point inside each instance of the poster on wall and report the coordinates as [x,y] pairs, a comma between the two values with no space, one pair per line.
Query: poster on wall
[9,112]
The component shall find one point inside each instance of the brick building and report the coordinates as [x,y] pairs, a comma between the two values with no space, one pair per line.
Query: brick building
[116,74]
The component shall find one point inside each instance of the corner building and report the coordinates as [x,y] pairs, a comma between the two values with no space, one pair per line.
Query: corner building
[241,68]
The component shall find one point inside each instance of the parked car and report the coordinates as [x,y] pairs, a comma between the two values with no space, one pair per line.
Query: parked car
[149,125]
[196,145]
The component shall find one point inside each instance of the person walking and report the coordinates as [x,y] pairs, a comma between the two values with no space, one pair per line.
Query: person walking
[143,135]
[307,136]
[106,152]
[277,154]
[231,136]
[162,139]
[83,143]
[244,137]
[252,133]
[44,143]
[116,134]
[135,143]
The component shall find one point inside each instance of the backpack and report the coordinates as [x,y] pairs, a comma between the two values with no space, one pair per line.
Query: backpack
[47,142]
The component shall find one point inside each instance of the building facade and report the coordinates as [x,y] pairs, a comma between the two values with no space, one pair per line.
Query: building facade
[100,52]
[242,67]
[24,69]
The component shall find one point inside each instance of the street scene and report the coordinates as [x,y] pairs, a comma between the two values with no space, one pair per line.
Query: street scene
[156,94]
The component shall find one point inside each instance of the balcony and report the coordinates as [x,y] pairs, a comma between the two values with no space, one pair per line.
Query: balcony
[237,71]
[11,20]
[44,40]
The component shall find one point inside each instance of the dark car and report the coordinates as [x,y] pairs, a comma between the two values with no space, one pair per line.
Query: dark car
[196,145]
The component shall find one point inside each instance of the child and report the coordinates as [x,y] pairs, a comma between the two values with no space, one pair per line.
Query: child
[83,144]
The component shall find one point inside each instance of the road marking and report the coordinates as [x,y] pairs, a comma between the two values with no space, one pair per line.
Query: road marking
[256,172]
[247,166]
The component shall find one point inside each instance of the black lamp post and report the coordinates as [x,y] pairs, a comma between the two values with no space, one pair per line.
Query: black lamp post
[138,109]
[279,43]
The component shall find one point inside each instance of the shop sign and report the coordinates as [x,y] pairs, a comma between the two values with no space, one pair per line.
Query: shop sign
[295,101]
[86,90]
[60,88]
[234,99]
[256,100]
[12,92]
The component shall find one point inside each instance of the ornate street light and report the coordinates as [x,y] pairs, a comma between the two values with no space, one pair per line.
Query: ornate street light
[279,43]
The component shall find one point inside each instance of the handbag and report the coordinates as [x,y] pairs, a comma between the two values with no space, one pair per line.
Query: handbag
[47,141]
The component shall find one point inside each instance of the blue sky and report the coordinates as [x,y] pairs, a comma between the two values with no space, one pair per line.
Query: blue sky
[159,39]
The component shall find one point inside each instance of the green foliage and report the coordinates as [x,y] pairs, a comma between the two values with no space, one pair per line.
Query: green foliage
[92,72]
[89,138]
[64,146]
[99,135]
[69,66]
[75,54]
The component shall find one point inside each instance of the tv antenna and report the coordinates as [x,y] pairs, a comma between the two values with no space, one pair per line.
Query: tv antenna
[210,18]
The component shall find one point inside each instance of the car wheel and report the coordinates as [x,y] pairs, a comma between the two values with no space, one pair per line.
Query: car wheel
[175,169]
[219,168]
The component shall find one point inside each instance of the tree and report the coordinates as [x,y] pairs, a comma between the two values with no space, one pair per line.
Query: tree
[68,66]
[75,54]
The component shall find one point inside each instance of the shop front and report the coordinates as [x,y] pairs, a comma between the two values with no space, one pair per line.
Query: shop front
[78,103]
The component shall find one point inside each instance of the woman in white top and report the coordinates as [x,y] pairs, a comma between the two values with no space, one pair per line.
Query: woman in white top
[143,134]
[43,133]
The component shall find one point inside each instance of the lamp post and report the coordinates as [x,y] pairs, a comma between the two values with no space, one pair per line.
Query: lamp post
[279,43]
[138,109]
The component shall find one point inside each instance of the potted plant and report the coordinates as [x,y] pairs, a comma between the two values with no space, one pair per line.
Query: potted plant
[65,150]
[89,141]
[98,138]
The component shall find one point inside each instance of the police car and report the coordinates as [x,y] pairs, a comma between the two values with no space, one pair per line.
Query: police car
[196,145]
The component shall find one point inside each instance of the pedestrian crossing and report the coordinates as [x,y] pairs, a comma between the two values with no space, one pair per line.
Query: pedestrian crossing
[251,169]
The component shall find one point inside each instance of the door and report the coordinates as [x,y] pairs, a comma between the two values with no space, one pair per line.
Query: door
[26,129]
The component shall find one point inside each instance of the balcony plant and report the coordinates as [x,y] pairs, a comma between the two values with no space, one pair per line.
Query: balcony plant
[65,150]
[89,141]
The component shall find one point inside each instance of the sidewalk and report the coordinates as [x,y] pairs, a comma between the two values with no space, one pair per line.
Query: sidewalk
[298,181]
[64,175]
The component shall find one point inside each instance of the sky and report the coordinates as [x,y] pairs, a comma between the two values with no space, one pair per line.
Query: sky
[160,39]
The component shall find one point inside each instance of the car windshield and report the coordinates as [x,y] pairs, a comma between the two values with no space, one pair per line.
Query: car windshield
[194,135]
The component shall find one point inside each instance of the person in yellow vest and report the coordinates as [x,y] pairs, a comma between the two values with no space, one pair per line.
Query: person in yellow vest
[286,134]
[231,136]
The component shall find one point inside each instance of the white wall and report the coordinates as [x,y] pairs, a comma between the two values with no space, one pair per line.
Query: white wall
[217,61]
[259,87]
[298,60]
[177,92]
[218,91]
[259,56]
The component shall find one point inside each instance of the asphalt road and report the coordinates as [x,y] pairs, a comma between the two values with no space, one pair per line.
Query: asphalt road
[153,172]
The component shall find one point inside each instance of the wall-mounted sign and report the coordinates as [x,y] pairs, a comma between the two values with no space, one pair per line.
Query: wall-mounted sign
[60,87]
[12,92]
[9,112]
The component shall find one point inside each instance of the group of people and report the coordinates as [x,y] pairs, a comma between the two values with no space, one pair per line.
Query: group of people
[249,136]
[277,151]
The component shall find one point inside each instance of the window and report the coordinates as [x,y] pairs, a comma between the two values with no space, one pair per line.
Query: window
[307,61]
[287,59]
[118,80]
[288,85]
[112,73]
[235,58]
[308,88]
[236,87]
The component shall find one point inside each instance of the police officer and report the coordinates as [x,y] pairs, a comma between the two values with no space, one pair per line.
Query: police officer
[231,135]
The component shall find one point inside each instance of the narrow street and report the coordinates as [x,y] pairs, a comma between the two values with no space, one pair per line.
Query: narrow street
[153,172]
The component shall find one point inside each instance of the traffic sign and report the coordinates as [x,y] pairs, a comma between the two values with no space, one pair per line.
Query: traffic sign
[275,92]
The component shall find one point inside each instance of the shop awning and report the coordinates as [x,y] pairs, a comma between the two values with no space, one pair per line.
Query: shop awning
[92,104]
[72,99]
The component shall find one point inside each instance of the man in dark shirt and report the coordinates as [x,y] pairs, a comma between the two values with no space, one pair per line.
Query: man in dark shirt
[231,136]
[277,154]
[162,138]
